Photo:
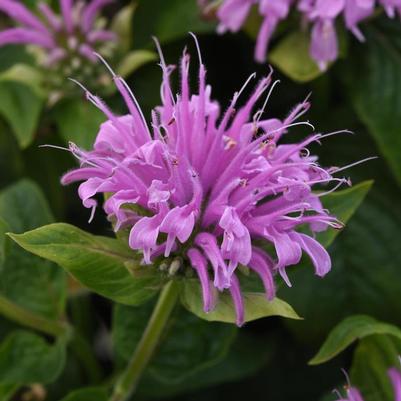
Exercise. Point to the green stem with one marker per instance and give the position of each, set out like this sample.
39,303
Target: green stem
127,383
29,319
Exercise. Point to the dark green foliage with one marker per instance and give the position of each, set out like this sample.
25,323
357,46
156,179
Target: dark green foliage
74,304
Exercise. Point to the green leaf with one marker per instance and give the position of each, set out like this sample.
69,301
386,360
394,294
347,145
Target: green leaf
3,229
253,22
348,331
372,359
255,304
24,74
21,107
173,19
28,281
37,161
189,345
11,163
78,121
365,278
104,265
122,25
343,205
27,358
11,55
7,391
246,356
291,56
133,60
24,207
376,88
32,4
87,394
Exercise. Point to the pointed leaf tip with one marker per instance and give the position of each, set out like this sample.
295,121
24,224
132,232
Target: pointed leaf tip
349,330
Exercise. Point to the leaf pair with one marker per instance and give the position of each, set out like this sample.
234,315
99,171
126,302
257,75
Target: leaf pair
378,350
109,267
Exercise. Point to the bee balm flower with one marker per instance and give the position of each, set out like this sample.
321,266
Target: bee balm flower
67,41
208,187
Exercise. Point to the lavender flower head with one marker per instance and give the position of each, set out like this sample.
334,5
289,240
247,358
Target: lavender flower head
353,394
64,42
320,14
212,189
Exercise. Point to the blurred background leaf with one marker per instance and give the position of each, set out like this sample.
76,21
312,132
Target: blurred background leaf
29,281
21,108
27,358
372,359
78,121
291,56
87,394
349,330
167,21
373,79
189,345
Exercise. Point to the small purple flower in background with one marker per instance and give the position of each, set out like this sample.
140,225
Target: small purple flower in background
64,42
321,14
71,34
216,190
392,7
353,394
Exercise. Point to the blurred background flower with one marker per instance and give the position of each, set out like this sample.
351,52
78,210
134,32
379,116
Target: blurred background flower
64,42
321,15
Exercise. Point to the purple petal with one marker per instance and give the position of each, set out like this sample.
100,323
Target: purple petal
208,243
288,252
80,174
356,12
21,14
395,377
320,257
143,235
158,192
178,223
236,245
52,19
88,52
112,206
353,394
67,11
90,13
55,56
25,36
233,13
236,295
110,138
262,264
324,46
199,263
101,36
328,9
